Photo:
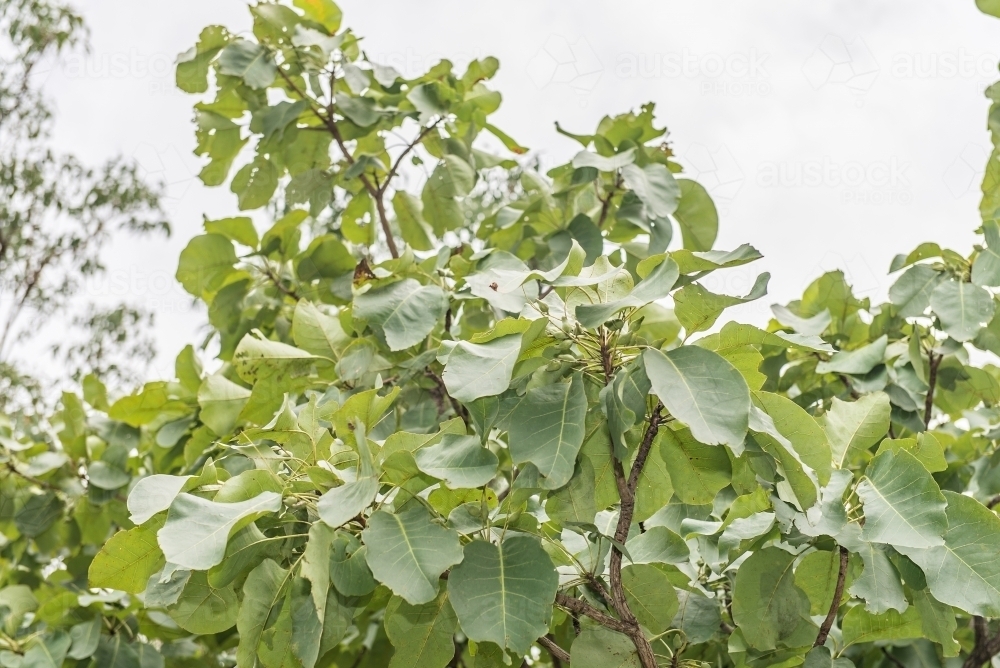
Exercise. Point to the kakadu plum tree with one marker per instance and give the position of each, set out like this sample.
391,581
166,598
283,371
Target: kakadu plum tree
455,424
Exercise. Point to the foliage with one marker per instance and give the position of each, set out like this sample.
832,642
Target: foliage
57,217
457,430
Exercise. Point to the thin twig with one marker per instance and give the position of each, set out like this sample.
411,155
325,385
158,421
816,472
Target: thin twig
558,653
838,593
935,362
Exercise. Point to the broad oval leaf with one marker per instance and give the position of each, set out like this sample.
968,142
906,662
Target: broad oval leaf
904,506
406,311
547,429
197,530
702,390
504,593
461,461
408,552
481,370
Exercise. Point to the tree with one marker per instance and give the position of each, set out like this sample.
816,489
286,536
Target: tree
452,430
56,218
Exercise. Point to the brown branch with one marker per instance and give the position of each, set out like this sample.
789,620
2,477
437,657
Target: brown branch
606,202
993,501
850,388
986,646
893,660
935,362
459,409
581,607
625,514
559,655
331,125
409,147
838,593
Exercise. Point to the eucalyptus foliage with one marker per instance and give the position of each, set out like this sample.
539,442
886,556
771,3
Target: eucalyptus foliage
451,426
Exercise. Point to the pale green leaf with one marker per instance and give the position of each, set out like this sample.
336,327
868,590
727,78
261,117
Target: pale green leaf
504,593
408,552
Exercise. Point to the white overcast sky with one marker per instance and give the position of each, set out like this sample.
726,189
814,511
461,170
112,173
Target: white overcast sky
831,134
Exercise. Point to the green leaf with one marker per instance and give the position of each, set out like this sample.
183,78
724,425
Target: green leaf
963,308
925,447
202,609
656,285
816,575
697,616
697,471
986,267
85,637
255,183
903,505
49,651
858,362
697,309
657,545
317,332
239,229
610,163
128,559
481,370
410,218
860,626
324,12
623,402
192,65
262,591
768,607
205,262
348,566
853,427
115,652
696,215
406,311
702,390
221,401
911,293
421,634
461,461
153,494
802,431
964,572
598,647
650,596
937,621
197,530
575,501
879,583
547,429
339,505
249,61
504,593
408,552
655,186
316,565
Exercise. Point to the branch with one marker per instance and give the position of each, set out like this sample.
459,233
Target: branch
331,125
625,513
986,646
558,653
935,362
409,147
581,607
606,202
838,593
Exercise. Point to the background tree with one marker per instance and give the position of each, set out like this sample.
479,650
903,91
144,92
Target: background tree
56,217
466,432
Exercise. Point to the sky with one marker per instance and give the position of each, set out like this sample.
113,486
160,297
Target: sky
832,135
